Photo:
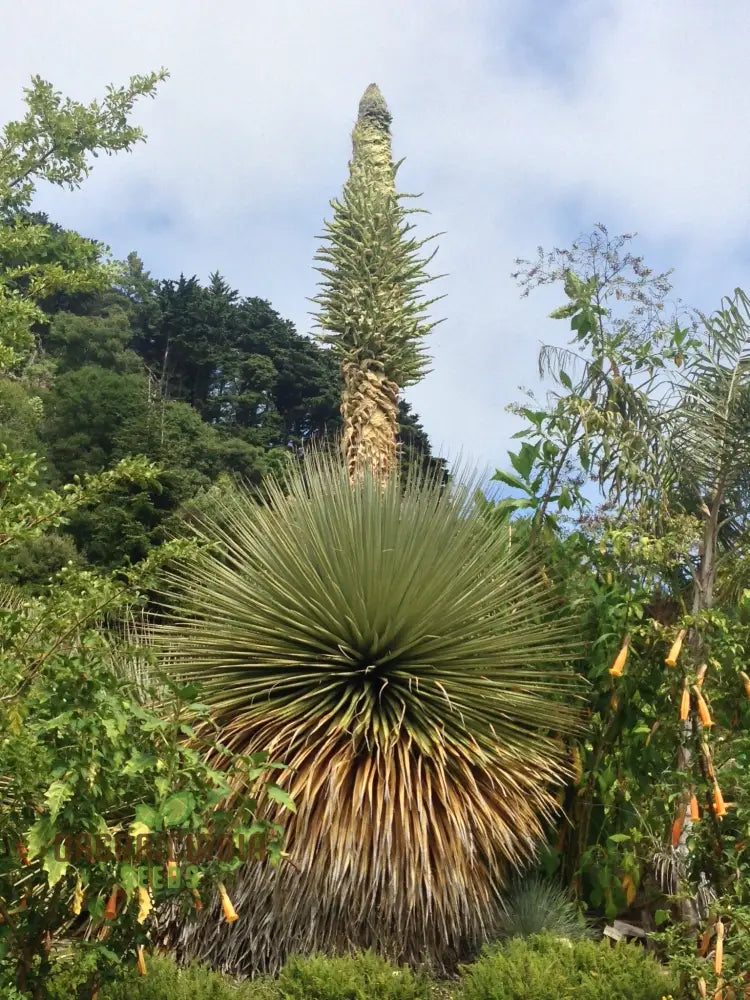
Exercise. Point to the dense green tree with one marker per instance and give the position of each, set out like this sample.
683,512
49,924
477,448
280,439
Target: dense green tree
54,142
236,361
103,339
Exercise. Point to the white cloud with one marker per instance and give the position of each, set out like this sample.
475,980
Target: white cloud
523,123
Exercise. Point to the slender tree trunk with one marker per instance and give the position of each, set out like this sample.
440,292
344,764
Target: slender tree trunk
369,408
703,598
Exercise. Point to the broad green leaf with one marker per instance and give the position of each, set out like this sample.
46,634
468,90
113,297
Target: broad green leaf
283,798
523,461
139,762
510,480
177,808
57,794
39,836
55,869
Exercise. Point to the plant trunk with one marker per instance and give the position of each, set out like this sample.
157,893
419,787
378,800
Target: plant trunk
703,597
369,408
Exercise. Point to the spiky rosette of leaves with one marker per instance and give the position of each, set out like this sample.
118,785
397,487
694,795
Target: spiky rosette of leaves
389,647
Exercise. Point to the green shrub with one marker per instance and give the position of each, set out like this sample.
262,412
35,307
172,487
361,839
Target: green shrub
548,968
167,981
535,905
359,977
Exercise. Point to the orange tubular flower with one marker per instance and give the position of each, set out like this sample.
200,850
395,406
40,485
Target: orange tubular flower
706,720
706,939
701,675
720,807
674,652
685,703
677,829
77,904
197,900
746,682
110,911
719,953
695,813
144,905
141,962
230,914
621,659
628,886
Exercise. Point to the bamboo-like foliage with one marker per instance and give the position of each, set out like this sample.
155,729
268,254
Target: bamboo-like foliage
371,305
712,425
388,647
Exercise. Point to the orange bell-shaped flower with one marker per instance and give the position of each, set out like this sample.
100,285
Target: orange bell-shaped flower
685,704
719,953
230,914
720,807
621,659
110,911
703,711
674,652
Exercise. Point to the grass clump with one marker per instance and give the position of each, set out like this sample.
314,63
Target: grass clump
537,906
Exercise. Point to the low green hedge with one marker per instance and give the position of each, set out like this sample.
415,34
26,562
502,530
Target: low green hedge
548,968
536,968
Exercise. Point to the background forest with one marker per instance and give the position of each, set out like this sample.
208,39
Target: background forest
197,379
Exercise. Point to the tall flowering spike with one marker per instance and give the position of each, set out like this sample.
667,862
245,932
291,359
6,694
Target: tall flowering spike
371,138
371,306
674,652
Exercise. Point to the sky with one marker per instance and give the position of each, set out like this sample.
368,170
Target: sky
523,123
